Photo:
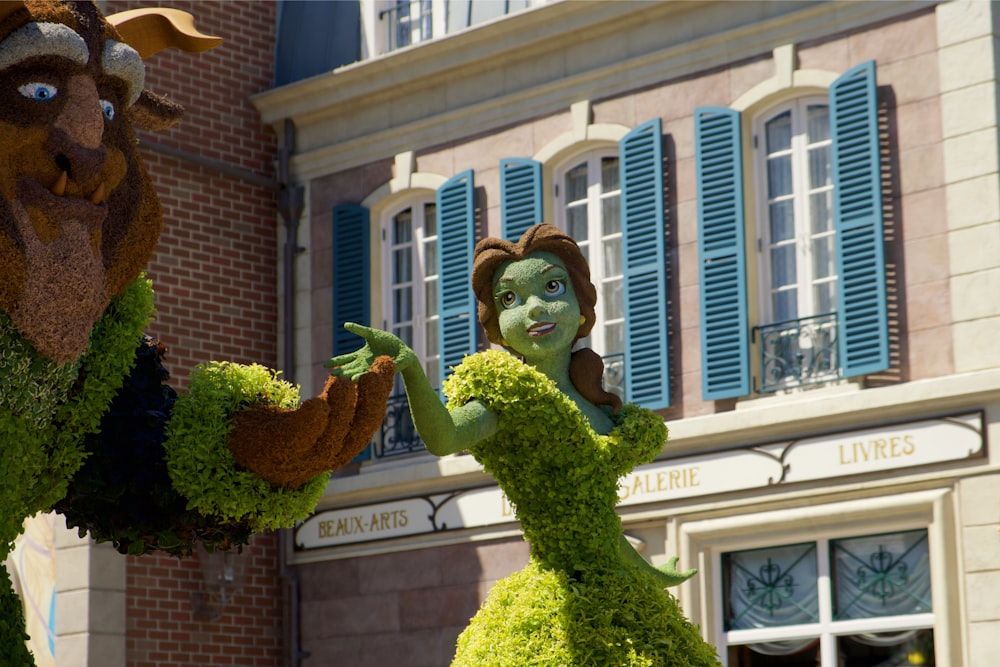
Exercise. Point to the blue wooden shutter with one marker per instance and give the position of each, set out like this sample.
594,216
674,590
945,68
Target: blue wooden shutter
351,257
520,196
857,205
646,344
456,239
725,368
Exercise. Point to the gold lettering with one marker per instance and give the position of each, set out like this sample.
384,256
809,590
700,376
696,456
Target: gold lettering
910,446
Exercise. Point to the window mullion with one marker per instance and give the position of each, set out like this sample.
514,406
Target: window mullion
828,642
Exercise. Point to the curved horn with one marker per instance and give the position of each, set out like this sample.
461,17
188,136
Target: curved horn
153,29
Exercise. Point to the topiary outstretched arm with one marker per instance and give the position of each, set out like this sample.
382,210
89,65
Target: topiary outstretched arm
288,447
443,431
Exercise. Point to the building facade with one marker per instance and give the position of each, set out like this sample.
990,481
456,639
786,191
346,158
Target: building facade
792,215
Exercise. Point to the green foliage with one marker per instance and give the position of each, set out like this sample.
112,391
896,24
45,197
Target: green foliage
123,493
41,444
200,463
540,617
13,650
579,602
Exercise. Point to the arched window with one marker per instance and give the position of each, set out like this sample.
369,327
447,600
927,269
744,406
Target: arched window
588,208
794,191
606,191
811,236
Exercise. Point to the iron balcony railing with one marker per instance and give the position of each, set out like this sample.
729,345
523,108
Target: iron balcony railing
796,353
398,436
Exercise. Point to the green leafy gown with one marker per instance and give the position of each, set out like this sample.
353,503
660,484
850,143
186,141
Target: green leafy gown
578,601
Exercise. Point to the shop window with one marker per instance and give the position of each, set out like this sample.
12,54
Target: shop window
860,601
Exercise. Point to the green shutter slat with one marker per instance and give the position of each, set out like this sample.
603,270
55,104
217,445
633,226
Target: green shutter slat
520,196
644,266
857,205
351,257
725,364
456,239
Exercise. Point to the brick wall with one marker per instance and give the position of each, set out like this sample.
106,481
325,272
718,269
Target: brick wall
214,273
215,268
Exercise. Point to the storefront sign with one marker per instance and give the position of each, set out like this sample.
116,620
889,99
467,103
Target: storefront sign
824,457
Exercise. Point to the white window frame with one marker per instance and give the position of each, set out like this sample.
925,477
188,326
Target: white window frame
801,191
594,245
704,541
826,629
421,274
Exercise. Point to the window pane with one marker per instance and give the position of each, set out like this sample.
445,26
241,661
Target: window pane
402,306
614,340
881,575
576,183
823,257
770,587
912,647
576,223
611,222
820,212
826,297
430,259
782,266
614,302
430,220
402,266
784,305
817,123
782,222
779,176
430,300
779,133
613,256
819,166
609,174
799,653
431,333
402,227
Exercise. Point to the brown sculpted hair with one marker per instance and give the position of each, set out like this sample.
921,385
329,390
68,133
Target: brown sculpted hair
586,369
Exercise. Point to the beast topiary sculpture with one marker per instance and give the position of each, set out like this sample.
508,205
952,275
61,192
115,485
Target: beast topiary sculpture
87,423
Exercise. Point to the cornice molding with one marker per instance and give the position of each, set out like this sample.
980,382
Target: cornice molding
535,63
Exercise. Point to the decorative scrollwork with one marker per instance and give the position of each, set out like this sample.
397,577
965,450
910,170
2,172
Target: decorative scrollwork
796,353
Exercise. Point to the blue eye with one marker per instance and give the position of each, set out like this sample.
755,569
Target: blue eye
509,299
108,109
555,288
38,91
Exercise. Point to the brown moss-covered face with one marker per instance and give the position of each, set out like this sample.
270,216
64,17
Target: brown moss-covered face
78,217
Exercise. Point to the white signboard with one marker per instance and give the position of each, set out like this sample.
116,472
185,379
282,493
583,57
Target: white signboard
823,457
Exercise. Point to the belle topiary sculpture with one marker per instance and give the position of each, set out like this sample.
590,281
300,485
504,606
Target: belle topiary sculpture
557,444
87,423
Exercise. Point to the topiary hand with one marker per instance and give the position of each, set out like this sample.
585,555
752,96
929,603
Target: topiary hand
377,343
289,447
